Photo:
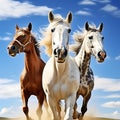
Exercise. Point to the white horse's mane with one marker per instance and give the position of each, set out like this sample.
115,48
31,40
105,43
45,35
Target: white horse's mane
78,37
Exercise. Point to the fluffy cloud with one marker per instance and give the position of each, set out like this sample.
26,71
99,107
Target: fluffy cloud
9,89
5,38
109,8
112,10
112,104
12,111
113,96
87,2
5,110
93,2
117,58
16,9
83,12
116,113
107,84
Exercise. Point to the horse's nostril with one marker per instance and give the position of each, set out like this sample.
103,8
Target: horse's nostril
102,54
13,47
55,52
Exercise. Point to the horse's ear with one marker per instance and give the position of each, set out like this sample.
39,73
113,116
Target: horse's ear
29,26
17,27
87,26
50,16
100,28
69,17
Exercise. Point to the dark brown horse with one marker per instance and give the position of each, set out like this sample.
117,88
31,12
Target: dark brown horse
31,77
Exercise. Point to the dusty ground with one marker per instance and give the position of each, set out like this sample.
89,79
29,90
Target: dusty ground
45,116
87,118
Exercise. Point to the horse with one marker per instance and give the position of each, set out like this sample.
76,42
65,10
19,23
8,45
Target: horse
61,73
88,42
31,77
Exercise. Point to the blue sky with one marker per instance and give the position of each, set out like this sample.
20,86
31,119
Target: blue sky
105,101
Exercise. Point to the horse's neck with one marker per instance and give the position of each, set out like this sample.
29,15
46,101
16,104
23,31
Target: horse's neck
31,60
83,61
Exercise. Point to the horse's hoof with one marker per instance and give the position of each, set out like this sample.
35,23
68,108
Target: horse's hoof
30,118
76,115
80,116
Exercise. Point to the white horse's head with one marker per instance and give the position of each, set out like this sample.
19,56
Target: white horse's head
60,29
93,41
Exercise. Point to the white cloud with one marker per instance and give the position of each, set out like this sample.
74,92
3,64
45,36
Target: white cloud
5,38
9,89
5,110
16,9
87,2
117,13
103,1
116,113
12,111
107,84
109,8
113,96
83,12
117,58
112,10
112,104
93,2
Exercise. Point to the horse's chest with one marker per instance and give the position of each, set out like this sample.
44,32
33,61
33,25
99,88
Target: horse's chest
31,82
60,91
63,88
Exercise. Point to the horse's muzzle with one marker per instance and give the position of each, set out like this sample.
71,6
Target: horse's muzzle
12,50
102,55
60,54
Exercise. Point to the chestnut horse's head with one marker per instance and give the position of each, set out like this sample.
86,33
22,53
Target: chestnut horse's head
21,40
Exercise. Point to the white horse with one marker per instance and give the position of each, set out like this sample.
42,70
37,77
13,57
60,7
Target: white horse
61,76
88,42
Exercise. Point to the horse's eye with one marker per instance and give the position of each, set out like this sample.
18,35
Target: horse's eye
23,36
102,38
52,30
69,30
90,37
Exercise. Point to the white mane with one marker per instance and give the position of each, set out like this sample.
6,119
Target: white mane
78,36
46,38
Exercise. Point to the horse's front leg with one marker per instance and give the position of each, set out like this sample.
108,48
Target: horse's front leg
25,98
54,106
75,112
69,104
40,103
84,105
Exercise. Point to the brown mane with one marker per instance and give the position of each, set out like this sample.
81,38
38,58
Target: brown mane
36,45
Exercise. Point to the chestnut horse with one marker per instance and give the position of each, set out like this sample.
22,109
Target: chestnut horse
31,77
